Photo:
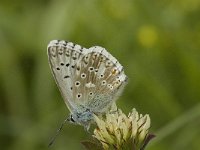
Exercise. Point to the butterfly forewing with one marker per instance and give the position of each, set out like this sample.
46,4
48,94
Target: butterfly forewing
62,58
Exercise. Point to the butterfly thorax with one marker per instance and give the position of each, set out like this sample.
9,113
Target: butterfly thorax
83,118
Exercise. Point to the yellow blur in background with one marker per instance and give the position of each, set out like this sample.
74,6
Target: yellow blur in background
147,36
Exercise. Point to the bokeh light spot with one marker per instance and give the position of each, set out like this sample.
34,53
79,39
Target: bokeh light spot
147,36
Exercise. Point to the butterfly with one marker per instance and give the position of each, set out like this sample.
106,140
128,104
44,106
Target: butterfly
90,80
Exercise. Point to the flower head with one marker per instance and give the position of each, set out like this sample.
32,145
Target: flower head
118,131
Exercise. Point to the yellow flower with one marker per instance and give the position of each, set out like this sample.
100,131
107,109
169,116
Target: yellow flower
118,131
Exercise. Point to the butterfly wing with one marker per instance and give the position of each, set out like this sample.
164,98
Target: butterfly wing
63,56
87,78
100,79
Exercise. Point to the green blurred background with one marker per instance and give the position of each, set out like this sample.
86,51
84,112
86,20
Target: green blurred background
157,42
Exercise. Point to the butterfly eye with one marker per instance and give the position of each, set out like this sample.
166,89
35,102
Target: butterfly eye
71,118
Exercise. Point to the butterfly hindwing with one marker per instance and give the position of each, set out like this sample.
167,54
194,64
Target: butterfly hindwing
101,77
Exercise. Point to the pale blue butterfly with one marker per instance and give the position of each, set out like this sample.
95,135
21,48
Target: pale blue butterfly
90,80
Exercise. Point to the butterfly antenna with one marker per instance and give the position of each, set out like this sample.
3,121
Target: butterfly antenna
57,132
